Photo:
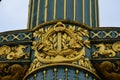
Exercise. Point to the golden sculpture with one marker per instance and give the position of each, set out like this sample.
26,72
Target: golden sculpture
14,52
60,44
106,50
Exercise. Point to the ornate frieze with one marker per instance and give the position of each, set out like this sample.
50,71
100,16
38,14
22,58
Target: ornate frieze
14,52
15,36
107,34
106,50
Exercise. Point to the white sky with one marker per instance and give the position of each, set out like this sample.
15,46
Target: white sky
14,14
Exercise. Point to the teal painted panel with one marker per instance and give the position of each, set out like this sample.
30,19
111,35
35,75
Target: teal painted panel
81,75
79,10
59,9
70,9
61,73
40,76
42,11
71,74
35,13
51,74
50,10
87,12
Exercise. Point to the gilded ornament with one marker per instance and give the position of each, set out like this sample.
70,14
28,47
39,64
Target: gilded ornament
14,52
107,50
60,44
116,46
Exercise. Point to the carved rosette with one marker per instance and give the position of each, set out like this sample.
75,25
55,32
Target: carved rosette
107,50
60,44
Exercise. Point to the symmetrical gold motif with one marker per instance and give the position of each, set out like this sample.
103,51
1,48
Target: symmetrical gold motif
60,44
14,52
107,50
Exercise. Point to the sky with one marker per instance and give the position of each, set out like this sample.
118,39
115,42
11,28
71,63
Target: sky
14,14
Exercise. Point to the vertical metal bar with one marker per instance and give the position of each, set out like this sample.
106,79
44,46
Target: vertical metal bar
46,10
65,9
35,76
83,15
95,14
66,73
55,70
32,13
29,9
86,75
38,12
44,72
54,15
74,18
90,13
98,13
77,72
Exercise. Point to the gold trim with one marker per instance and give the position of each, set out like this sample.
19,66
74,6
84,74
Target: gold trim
91,13
54,16
29,8
83,16
46,10
38,11
74,18
32,14
65,9
62,64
